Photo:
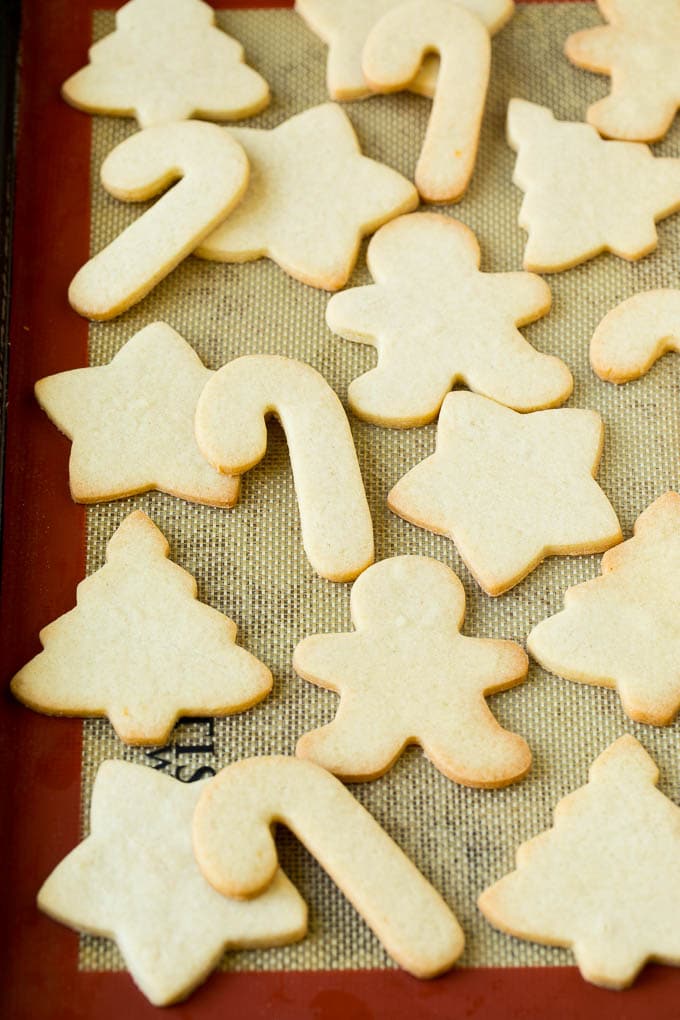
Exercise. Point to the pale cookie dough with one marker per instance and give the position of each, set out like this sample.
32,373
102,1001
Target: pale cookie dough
345,27
132,422
214,175
620,630
394,51
640,50
407,675
312,197
337,530
166,61
140,648
235,851
510,489
635,334
436,320
585,195
605,880
134,879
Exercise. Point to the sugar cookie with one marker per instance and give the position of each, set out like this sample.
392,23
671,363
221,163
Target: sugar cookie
437,320
312,197
391,57
408,676
640,50
510,489
604,881
337,531
135,880
132,422
571,210
235,851
140,648
214,172
166,61
635,334
345,27
620,630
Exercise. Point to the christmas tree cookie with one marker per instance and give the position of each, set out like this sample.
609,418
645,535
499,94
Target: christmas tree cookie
166,61
510,489
640,49
312,197
135,879
132,422
585,195
346,26
635,334
620,630
605,880
140,648
437,320
407,675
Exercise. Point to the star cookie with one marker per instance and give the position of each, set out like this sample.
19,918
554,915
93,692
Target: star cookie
132,422
605,880
134,879
585,195
140,648
407,675
345,27
635,334
510,489
312,197
640,49
620,630
166,61
437,321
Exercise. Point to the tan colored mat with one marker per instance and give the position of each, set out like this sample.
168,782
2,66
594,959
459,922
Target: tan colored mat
249,561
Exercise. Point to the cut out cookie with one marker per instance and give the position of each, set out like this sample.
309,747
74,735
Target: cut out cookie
437,320
140,648
635,334
345,27
214,174
408,676
236,852
640,50
604,881
620,630
135,880
510,489
132,422
337,531
392,55
166,61
585,195
312,197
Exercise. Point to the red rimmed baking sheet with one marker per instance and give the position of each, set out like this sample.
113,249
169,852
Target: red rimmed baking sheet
43,560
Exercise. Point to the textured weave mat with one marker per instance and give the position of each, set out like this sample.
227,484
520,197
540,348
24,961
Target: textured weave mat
249,561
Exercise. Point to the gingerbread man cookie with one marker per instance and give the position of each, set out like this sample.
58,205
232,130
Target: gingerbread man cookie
437,320
640,49
407,675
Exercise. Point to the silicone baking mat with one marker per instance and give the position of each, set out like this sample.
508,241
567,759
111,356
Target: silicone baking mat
249,562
